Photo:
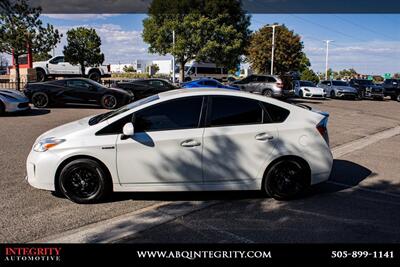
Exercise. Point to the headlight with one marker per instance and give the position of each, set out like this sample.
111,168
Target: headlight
47,143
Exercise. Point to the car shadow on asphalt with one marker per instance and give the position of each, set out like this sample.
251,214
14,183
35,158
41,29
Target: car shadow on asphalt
28,113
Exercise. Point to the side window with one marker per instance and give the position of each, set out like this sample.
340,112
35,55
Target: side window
116,127
271,80
261,79
77,84
276,114
57,60
227,111
156,83
183,113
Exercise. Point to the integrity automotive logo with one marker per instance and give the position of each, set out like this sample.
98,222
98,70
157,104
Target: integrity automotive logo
31,254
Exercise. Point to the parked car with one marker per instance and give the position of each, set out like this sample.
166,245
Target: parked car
367,89
12,101
142,88
207,83
392,88
243,142
58,67
77,91
338,89
267,85
308,89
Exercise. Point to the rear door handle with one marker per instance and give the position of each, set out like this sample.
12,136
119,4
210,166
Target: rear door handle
190,143
264,136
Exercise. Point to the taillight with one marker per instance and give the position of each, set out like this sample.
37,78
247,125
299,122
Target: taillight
280,85
322,128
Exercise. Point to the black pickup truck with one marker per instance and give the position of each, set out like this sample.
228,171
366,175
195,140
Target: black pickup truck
367,89
392,88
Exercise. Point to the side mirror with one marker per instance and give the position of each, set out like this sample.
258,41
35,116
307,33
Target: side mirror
129,129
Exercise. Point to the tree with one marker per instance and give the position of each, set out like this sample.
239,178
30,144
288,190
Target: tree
83,48
205,30
128,69
289,55
20,26
309,75
152,69
41,56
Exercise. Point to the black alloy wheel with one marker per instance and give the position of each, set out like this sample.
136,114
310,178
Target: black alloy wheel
40,75
40,100
286,179
109,102
268,93
84,181
333,95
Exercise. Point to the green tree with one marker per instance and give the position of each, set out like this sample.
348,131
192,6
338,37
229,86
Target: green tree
152,69
20,26
289,55
309,75
128,69
83,48
205,30
41,56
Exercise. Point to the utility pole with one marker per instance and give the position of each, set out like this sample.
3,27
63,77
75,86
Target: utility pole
173,57
273,46
326,58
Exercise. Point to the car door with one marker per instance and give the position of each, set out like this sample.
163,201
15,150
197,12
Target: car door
81,91
236,140
56,65
167,144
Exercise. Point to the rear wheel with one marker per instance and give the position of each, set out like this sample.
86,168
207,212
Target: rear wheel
109,102
267,93
333,95
95,76
84,181
286,179
40,100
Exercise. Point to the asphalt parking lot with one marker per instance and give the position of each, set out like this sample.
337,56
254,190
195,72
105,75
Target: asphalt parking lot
359,204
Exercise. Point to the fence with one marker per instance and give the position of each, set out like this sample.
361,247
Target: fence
6,84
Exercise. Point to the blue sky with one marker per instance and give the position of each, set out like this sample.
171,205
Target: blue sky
367,42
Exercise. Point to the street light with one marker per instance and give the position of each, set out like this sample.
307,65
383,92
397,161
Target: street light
326,58
273,46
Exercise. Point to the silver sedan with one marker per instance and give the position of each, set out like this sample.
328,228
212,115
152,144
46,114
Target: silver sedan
12,101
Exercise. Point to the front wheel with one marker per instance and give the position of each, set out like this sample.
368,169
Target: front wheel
40,75
333,95
398,98
84,181
286,179
40,100
95,76
301,94
109,102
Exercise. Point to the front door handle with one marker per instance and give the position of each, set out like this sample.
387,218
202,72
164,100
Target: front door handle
264,136
190,143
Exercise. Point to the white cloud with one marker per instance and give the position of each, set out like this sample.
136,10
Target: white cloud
79,17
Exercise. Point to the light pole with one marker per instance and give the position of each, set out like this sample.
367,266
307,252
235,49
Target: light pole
173,57
273,46
326,58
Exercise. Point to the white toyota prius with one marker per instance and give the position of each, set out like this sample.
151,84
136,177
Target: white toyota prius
185,140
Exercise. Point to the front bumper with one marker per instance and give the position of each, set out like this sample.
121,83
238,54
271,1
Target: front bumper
345,94
41,169
17,106
311,95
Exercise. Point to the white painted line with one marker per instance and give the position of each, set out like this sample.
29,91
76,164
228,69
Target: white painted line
358,144
361,188
126,225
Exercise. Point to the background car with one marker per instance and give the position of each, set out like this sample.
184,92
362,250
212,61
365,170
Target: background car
392,88
367,89
267,85
244,142
308,89
207,83
338,89
12,101
142,88
76,91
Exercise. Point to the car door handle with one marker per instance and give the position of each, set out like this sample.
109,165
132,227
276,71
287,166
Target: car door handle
190,143
264,136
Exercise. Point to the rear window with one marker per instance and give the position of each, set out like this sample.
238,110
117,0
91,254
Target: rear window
339,83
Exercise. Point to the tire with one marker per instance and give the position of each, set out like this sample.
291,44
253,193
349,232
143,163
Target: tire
286,179
95,76
333,95
40,100
301,94
398,98
267,93
40,75
2,109
109,102
84,181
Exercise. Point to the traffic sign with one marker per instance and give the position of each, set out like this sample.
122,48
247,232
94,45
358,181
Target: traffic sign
387,75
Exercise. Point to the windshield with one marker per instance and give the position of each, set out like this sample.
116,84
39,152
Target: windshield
105,116
339,83
306,83
365,82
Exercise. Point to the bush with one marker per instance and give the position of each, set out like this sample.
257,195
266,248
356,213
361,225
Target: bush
130,75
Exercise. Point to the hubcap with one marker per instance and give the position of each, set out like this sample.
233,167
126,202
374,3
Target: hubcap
110,102
82,182
40,100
